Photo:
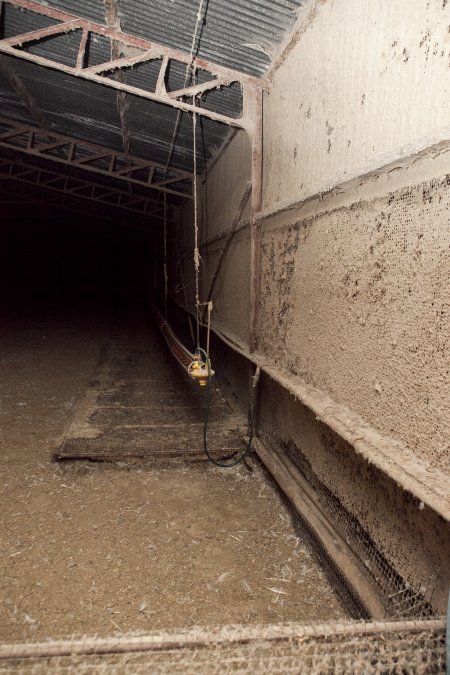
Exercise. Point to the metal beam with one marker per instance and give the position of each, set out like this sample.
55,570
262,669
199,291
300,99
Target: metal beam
256,138
117,199
20,193
149,51
92,158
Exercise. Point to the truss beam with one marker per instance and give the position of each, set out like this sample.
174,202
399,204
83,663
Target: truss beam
146,51
93,158
114,198
14,193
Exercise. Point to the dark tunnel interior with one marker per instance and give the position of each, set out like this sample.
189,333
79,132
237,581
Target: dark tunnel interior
50,256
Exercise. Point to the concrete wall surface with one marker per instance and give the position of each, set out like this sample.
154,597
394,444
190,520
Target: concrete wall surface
361,297
368,82
355,278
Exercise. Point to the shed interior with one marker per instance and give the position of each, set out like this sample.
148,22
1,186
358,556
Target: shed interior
268,182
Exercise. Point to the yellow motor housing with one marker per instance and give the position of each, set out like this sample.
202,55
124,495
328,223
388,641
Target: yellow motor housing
198,370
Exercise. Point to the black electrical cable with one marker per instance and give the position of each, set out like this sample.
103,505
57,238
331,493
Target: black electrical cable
235,461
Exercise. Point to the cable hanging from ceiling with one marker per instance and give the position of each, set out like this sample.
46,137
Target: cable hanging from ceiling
198,365
195,365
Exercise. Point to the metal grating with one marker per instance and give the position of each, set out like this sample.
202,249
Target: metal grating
141,405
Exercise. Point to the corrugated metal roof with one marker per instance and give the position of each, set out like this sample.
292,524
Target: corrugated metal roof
12,106
229,26
238,34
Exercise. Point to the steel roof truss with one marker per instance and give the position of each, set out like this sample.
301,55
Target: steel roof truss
93,158
188,98
116,199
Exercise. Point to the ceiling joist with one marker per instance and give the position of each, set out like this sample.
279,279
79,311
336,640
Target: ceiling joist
188,99
93,158
13,193
69,185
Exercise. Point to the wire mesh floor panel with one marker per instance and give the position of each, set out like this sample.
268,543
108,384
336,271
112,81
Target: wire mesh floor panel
141,404
146,415
138,394
405,647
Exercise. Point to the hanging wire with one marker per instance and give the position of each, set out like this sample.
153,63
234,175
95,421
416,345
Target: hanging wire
196,249
189,73
166,278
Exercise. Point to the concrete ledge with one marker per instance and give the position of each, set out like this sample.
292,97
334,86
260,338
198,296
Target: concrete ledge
427,485
412,170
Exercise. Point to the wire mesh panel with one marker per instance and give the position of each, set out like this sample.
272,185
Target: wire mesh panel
351,647
401,599
142,405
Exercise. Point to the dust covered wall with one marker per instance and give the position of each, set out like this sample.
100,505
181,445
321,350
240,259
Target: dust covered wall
361,293
222,193
356,261
356,258
354,311
360,280
368,82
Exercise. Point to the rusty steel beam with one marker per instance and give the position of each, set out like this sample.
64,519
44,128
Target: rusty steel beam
149,52
256,138
117,199
92,158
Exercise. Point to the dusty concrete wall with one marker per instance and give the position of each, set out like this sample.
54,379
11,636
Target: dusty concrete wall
221,195
225,184
367,83
355,282
361,291
361,295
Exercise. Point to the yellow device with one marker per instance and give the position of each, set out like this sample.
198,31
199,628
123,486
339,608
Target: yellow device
198,370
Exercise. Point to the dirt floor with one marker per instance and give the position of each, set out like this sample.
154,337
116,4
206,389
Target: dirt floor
101,548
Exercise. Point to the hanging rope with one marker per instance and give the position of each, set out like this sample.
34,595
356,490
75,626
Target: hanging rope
196,249
166,278
198,365
189,71
194,131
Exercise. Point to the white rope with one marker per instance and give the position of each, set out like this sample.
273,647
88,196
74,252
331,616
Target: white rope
166,278
196,249
194,128
189,70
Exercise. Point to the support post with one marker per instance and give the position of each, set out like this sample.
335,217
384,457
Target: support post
256,138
